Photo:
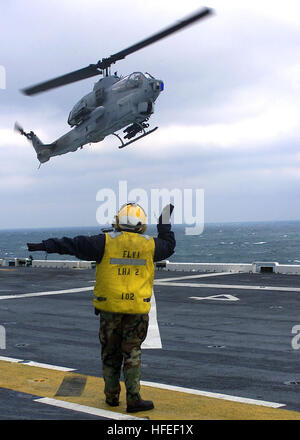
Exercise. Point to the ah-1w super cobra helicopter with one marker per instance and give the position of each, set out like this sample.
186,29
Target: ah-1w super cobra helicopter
114,103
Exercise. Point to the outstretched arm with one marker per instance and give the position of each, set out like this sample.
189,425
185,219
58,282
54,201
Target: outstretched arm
82,247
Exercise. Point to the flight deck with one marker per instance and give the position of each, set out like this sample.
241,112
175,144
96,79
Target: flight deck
222,346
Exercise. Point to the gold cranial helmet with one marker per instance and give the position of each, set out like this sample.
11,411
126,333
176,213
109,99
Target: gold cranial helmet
131,217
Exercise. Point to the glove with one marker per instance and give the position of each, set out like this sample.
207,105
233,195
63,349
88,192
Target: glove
165,215
32,247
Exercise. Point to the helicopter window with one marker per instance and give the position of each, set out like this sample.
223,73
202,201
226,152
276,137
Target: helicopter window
135,80
129,82
148,75
120,85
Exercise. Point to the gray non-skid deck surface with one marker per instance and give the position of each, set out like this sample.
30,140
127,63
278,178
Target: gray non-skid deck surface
236,342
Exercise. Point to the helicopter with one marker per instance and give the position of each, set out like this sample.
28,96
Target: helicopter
115,103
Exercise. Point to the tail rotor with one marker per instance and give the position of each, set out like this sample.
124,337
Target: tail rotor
20,130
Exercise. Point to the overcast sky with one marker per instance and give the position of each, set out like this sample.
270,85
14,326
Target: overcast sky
228,117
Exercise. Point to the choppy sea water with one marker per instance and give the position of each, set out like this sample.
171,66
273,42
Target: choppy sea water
219,242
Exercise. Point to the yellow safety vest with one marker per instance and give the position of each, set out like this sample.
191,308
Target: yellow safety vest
124,277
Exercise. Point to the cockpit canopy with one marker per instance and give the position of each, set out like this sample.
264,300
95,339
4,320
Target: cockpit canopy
132,81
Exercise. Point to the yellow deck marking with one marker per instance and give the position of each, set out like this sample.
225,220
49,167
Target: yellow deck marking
169,405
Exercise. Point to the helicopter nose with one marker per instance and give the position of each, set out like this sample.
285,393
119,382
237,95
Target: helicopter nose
158,85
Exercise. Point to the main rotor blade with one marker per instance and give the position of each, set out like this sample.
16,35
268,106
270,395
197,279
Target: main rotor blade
106,62
77,75
93,69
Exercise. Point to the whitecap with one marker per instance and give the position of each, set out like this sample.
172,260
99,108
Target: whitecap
260,242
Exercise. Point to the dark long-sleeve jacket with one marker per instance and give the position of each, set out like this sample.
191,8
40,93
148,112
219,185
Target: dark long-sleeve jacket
91,248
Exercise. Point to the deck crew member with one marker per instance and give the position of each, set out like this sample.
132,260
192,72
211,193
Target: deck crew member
122,292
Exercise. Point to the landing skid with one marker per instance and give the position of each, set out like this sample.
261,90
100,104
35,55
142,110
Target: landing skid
145,133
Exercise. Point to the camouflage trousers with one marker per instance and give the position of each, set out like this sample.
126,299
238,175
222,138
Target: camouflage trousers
121,336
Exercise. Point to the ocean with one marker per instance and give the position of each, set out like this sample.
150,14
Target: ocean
219,242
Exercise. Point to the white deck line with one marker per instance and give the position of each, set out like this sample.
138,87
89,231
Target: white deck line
186,277
52,292
47,366
227,286
9,359
87,409
153,339
213,395
36,364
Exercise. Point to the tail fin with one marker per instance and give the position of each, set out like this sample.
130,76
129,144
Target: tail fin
43,151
